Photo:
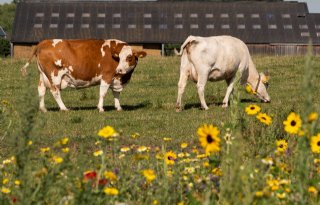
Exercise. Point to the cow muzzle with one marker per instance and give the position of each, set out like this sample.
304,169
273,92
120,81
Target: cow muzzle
120,71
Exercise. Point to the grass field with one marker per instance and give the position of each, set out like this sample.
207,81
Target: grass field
149,110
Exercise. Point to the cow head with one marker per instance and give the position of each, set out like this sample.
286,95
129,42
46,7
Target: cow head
261,87
127,57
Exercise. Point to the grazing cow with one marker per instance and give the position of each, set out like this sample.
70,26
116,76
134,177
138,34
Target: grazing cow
84,63
218,58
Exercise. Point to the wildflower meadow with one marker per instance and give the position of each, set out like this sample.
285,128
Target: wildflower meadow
249,153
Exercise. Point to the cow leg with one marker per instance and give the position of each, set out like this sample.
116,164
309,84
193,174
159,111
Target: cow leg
116,96
104,86
202,80
185,68
181,87
42,91
57,96
230,83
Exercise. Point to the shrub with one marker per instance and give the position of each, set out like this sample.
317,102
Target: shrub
4,47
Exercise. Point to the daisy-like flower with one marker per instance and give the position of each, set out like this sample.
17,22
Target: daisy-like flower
135,135
267,161
312,117
57,159
149,174
293,123
312,190
170,158
107,132
217,172
64,141
45,149
5,190
167,139
125,149
252,109
315,143
17,182
264,118
142,149
110,175
98,153
111,191
184,145
65,150
209,139
282,146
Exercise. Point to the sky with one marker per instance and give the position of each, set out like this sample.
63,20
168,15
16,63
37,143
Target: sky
313,5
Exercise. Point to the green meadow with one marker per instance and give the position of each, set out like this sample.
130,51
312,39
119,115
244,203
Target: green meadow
247,169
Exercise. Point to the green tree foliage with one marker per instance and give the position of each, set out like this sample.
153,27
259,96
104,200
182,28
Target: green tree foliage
4,47
7,12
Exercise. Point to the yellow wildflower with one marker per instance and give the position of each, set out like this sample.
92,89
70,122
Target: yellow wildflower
315,143
57,159
209,139
312,190
293,123
17,182
312,117
184,145
65,150
149,174
259,194
64,141
45,149
5,180
30,142
107,132
282,146
98,153
111,191
125,149
252,109
110,175
170,158
5,190
167,139
264,118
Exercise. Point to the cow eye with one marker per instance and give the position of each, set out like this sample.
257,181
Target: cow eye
267,85
129,58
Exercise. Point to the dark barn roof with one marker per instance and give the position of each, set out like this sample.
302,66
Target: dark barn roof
166,21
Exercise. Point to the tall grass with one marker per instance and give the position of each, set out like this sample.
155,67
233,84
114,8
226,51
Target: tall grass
58,157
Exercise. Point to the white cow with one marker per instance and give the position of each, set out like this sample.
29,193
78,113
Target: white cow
218,58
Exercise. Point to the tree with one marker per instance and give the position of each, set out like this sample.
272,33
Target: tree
7,12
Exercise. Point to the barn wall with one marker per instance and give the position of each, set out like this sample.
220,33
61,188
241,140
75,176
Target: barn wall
280,50
22,51
25,50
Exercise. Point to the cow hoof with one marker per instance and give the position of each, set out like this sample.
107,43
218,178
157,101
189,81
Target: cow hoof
101,110
178,109
119,109
43,110
204,108
224,105
64,110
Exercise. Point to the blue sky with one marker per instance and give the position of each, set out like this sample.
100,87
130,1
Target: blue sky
313,5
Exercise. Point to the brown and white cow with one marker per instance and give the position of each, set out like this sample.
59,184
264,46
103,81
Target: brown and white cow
84,63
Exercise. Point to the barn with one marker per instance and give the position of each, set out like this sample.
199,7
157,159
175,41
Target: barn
271,28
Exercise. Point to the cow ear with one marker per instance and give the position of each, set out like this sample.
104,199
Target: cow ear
140,54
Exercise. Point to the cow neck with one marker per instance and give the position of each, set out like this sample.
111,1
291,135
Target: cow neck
251,79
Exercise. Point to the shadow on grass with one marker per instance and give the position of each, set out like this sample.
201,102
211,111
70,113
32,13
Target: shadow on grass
106,108
218,104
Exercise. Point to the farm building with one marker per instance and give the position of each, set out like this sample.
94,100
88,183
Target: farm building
273,28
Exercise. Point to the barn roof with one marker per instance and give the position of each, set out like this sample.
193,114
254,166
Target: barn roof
166,21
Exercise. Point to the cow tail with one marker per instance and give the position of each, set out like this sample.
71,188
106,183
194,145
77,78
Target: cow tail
188,41
24,68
